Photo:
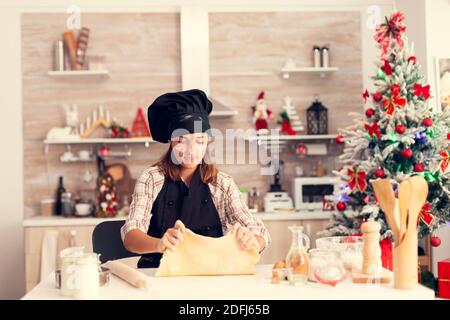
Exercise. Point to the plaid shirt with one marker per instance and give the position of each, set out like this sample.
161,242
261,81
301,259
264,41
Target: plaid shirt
224,192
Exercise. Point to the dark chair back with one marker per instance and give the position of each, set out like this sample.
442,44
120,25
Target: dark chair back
107,242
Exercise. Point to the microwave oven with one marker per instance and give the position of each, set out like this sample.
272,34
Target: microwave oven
308,192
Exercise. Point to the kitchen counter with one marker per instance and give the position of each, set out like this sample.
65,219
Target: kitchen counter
258,287
55,221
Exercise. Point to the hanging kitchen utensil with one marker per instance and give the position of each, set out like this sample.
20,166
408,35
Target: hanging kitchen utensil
124,182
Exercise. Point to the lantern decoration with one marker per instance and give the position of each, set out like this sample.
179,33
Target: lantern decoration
317,118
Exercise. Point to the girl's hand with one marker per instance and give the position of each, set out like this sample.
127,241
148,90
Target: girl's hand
246,238
172,237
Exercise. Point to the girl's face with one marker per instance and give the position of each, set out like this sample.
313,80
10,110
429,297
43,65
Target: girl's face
189,150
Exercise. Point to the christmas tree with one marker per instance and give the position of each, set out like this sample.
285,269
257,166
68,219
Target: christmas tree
398,136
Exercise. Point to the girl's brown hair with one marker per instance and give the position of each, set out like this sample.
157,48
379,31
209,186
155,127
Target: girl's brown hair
208,172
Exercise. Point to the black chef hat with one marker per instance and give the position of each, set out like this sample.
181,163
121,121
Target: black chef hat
186,110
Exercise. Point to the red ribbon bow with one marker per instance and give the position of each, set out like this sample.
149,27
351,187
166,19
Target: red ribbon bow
425,215
421,91
445,161
391,29
373,129
357,178
365,95
394,101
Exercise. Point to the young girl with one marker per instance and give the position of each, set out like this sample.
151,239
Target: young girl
182,190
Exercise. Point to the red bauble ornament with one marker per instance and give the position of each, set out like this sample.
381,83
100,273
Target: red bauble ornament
413,59
419,167
407,153
448,136
435,241
370,112
386,68
379,173
340,139
427,122
301,150
377,96
341,206
400,129
103,151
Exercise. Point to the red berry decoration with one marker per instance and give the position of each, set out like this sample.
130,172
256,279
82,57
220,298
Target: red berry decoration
419,167
340,139
370,112
400,129
407,153
379,173
435,241
341,206
413,59
103,151
427,122
377,96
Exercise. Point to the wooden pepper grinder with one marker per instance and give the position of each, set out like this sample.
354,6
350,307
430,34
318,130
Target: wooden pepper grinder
372,270
371,247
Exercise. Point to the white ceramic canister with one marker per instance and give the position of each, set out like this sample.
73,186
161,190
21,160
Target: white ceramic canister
68,258
88,284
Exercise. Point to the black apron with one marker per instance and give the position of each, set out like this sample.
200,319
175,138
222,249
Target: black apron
193,206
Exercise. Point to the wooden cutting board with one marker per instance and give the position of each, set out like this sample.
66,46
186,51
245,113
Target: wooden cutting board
385,277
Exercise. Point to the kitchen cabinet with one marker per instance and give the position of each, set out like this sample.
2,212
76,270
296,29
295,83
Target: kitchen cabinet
33,247
277,224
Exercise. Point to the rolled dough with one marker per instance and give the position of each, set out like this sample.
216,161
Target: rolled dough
198,255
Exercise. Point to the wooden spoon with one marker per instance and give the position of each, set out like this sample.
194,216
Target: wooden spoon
386,198
404,200
419,193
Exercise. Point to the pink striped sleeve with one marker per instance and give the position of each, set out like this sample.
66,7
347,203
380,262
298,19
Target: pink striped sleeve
141,205
237,211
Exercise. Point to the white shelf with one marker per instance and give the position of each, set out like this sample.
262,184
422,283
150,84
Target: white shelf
293,138
53,221
242,73
100,141
285,72
223,113
79,73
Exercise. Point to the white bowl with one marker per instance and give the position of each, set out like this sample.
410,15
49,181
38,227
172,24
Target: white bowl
83,209
349,247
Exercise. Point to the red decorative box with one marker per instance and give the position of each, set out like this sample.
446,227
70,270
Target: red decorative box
386,254
444,278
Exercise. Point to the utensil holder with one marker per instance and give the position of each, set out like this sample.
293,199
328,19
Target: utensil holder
405,262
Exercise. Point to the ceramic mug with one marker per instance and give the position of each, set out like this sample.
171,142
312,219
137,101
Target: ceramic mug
84,155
